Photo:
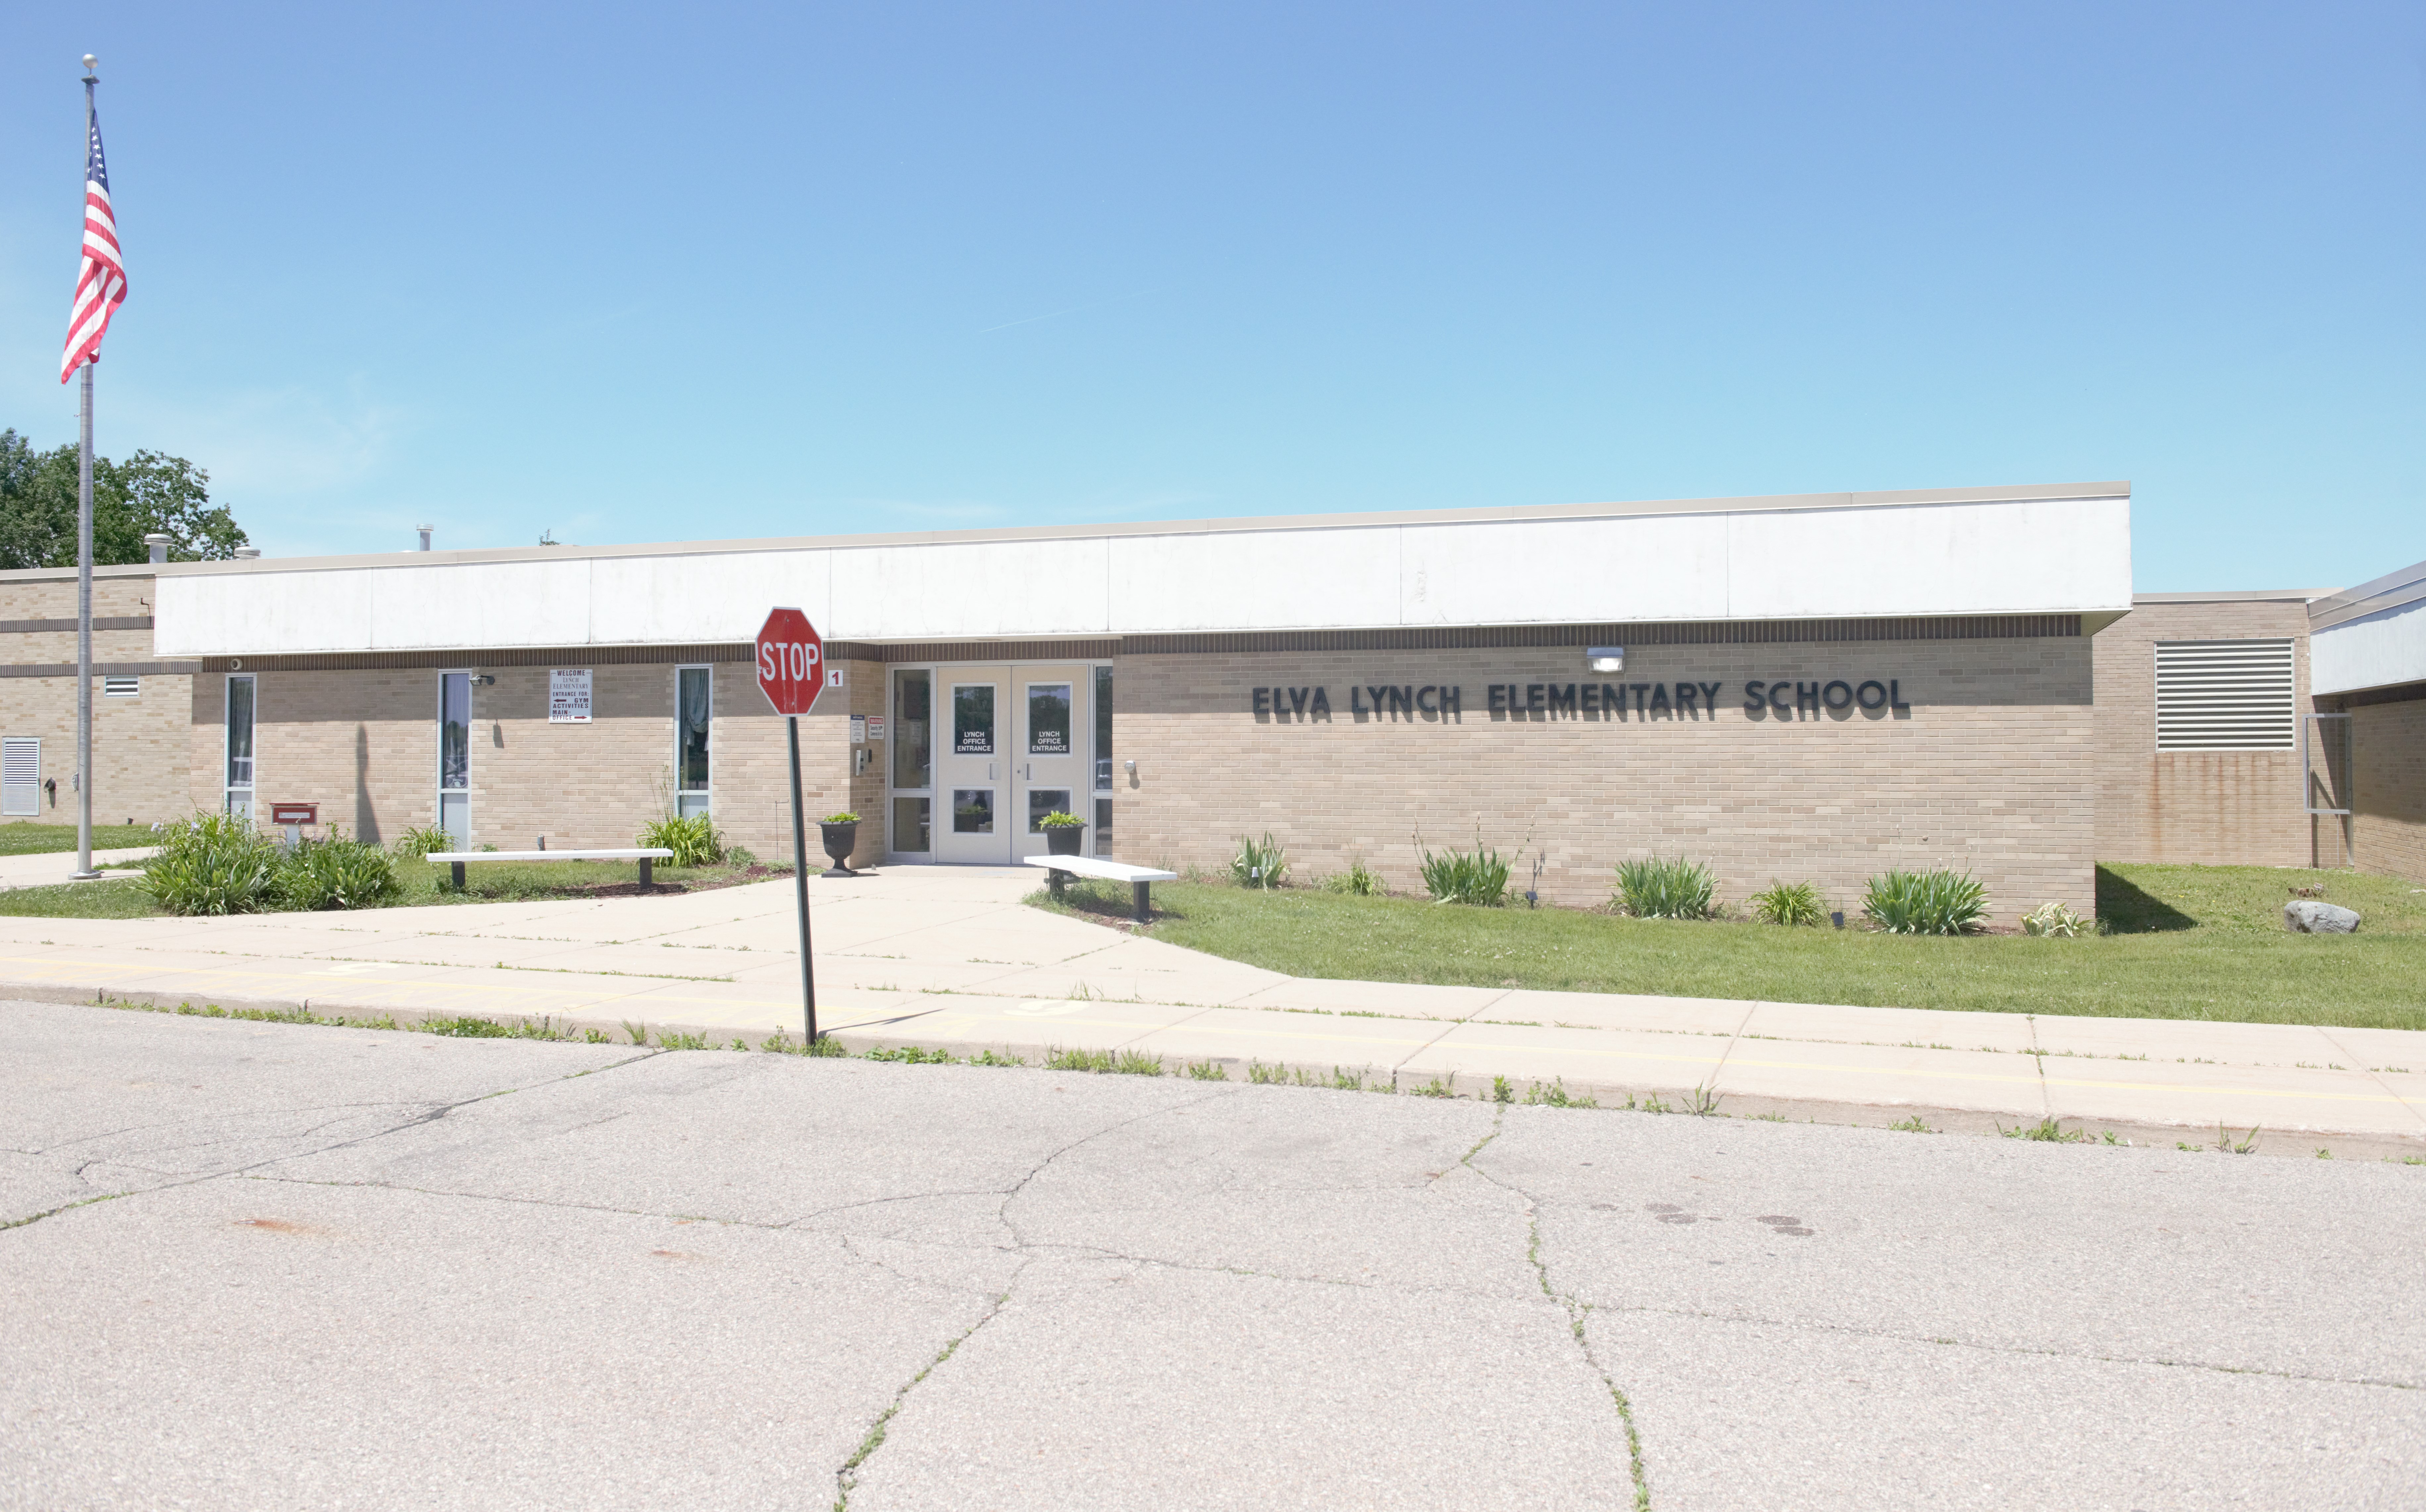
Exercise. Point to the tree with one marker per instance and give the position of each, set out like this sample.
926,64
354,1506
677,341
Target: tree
146,492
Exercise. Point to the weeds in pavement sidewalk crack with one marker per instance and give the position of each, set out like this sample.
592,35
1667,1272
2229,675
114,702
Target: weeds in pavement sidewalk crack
1207,1072
639,1033
987,1057
846,1478
65,1207
1501,1090
1436,1088
1555,1095
2246,1144
1267,1076
1914,1125
2048,1131
667,1039
1704,1102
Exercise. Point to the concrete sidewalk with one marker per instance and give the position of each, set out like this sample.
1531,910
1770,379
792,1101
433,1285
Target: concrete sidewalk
951,958
49,869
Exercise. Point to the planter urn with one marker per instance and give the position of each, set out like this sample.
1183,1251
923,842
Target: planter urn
1064,839
839,842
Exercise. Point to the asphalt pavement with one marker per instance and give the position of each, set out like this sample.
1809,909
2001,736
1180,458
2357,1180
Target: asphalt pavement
270,1265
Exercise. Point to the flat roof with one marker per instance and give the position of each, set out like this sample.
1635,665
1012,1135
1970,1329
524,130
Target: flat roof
1375,519
2250,595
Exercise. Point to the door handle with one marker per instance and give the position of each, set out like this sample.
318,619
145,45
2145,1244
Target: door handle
991,773
1028,772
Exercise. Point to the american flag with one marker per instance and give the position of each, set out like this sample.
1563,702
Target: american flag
101,287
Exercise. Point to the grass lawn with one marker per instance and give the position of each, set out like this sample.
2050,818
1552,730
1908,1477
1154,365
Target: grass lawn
2188,942
25,838
424,885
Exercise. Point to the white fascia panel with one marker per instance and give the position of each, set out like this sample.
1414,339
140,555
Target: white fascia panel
475,604
315,611
970,590
1255,580
1564,572
2384,649
2036,556
688,600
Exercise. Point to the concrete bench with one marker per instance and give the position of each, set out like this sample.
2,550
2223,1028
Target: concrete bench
646,856
1140,879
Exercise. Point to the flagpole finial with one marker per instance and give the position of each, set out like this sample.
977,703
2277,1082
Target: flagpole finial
89,61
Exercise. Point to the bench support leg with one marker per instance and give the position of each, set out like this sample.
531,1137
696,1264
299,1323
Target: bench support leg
647,862
1054,879
1140,895
456,867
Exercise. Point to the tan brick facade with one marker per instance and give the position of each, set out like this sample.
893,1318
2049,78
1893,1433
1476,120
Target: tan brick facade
2197,807
138,742
362,744
2388,785
1986,770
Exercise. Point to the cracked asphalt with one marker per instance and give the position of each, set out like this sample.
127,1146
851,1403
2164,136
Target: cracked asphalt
265,1265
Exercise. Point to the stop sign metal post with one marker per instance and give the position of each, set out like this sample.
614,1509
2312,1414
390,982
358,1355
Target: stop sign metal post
791,673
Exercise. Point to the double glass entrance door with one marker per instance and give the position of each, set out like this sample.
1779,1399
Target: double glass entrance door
1012,745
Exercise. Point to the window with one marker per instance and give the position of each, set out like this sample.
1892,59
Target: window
973,811
973,720
455,757
240,701
2226,695
1102,730
694,700
121,687
1104,827
1048,719
912,716
21,776
910,819
1043,800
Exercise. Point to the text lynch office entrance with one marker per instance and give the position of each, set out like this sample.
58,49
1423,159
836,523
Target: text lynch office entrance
980,754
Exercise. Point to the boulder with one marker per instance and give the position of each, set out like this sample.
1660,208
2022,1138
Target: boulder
2305,916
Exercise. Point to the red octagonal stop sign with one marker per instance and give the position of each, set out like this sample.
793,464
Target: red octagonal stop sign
791,661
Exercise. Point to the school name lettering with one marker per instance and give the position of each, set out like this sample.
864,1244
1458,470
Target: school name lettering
1784,699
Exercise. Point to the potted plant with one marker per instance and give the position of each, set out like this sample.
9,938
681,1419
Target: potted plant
840,832
1062,833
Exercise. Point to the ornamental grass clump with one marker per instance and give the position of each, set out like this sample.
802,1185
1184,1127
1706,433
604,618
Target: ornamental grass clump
1259,863
1939,902
1662,887
1788,902
692,839
213,864
1478,876
335,872
419,842
2056,921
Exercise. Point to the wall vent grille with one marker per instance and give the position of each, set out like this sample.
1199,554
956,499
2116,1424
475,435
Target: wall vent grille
2226,696
21,776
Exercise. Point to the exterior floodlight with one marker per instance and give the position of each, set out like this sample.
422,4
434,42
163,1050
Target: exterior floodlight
1606,657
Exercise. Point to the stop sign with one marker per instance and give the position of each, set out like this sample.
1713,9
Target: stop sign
791,661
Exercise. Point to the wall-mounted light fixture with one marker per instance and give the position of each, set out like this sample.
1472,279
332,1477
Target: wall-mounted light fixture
1606,657
484,679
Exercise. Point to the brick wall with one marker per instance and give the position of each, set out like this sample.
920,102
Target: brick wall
138,744
1988,768
2195,807
363,745
2389,787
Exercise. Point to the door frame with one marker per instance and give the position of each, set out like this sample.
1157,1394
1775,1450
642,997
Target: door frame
938,792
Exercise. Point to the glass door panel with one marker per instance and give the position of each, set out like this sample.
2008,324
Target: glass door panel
239,745
971,767
694,708
911,775
1052,759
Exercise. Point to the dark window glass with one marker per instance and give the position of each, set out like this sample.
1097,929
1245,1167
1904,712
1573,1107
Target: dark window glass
1048,719
693,695
455,730
913,723
1103,727
973,811
973,718
910,825
239,732
1043,800
1104,827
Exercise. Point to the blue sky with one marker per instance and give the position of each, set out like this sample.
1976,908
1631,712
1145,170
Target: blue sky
649,273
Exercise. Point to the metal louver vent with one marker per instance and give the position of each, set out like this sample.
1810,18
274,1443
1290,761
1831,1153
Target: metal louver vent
21,776
2226,695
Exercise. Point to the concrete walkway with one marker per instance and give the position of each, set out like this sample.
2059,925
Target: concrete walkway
48,868
951,958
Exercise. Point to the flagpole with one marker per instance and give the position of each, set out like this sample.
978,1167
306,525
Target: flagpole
83,576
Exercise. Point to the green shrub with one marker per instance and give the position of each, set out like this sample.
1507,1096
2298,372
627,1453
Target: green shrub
335,872
1787,903
1478,877
1259,864
693,840
1358,881
1058,820
1660,887
419,842
2056,921
1939,902
846,817
212,864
